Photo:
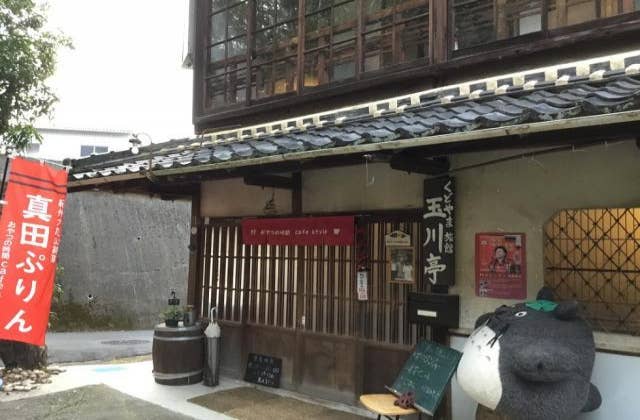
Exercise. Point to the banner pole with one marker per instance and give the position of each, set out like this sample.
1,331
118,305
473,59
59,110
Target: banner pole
4,178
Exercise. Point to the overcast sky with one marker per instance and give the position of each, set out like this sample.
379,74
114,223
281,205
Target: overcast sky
124,72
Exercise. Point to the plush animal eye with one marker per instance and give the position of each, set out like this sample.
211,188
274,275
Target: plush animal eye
521,314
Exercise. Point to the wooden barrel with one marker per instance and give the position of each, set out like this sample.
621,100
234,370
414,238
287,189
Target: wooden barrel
178,355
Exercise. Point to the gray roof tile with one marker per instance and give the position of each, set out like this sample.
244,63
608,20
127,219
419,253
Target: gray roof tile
543,103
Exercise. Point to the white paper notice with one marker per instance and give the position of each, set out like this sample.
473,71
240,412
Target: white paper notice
363,286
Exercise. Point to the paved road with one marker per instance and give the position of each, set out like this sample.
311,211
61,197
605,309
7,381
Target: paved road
89,346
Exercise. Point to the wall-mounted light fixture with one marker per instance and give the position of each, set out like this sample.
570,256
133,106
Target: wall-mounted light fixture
135,144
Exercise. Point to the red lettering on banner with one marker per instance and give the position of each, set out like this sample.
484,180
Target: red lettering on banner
30,233
299,231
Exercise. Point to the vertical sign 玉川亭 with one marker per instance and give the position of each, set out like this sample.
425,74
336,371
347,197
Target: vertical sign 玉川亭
438,231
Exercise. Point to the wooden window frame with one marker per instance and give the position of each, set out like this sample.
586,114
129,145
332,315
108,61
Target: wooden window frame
545,34
440,59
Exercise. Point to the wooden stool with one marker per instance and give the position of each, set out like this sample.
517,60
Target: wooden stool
382,405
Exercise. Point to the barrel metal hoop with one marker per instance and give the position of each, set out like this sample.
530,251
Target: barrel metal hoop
169,376
187,338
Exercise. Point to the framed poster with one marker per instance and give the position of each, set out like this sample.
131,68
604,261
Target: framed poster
401,265
501,265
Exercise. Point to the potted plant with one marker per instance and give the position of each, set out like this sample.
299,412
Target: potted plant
172,315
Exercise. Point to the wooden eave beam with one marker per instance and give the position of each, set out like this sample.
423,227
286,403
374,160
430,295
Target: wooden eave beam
407,162
270,181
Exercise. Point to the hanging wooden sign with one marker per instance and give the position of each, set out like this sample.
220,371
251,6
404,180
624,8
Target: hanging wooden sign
397,238
438,231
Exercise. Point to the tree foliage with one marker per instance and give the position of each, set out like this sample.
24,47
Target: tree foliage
27,60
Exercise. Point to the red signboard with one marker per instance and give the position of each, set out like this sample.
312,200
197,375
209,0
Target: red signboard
299,231
501,270
30,232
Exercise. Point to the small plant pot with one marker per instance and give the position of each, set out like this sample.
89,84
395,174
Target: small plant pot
173,323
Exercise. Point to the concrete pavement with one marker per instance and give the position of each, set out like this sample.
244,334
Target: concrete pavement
73,347
136,380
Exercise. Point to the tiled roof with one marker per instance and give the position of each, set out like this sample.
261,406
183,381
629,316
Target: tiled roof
597,88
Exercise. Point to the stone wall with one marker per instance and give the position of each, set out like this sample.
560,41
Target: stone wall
126,252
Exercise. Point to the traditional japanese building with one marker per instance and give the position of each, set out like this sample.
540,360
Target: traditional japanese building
344,109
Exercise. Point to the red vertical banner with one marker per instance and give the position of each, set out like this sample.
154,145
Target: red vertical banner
30,233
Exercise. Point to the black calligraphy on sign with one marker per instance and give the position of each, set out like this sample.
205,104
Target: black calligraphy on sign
263,370
438,229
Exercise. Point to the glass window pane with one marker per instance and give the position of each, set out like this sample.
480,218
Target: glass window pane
345,15
215,92
285,76
572,12
86,150
216,53
218,4
287,9
263,81
344,61
237,20
286,39
263,46
236,87
312,5
316,68
413,40
265,13
377,50
218,27
318,30
237,46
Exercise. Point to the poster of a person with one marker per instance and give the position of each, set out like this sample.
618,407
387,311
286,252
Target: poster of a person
500,265
401,265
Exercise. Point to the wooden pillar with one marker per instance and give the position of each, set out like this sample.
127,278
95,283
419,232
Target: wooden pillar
438,31
194,279
296,194
500,19
561,13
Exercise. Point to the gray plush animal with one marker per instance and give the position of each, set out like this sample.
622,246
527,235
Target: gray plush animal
531,361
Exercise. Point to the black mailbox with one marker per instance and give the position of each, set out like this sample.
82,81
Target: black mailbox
439,310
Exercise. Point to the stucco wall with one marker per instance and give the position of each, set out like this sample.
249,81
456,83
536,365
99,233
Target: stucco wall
231,197
125,250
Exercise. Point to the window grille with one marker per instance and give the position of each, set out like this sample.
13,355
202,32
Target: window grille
593,256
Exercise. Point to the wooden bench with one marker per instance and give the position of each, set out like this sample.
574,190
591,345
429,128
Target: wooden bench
383,405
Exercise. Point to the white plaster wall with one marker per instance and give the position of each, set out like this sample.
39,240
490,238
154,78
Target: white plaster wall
231,198
350,189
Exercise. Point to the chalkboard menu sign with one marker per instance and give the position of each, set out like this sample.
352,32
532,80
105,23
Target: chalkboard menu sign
427,374
263,370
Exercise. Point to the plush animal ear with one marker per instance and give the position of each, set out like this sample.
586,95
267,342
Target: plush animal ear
482,319
545,294
566,311
594,400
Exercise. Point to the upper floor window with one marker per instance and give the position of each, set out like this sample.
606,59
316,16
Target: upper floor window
479,22
227,64
88,150
274,66
33,148
270,49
